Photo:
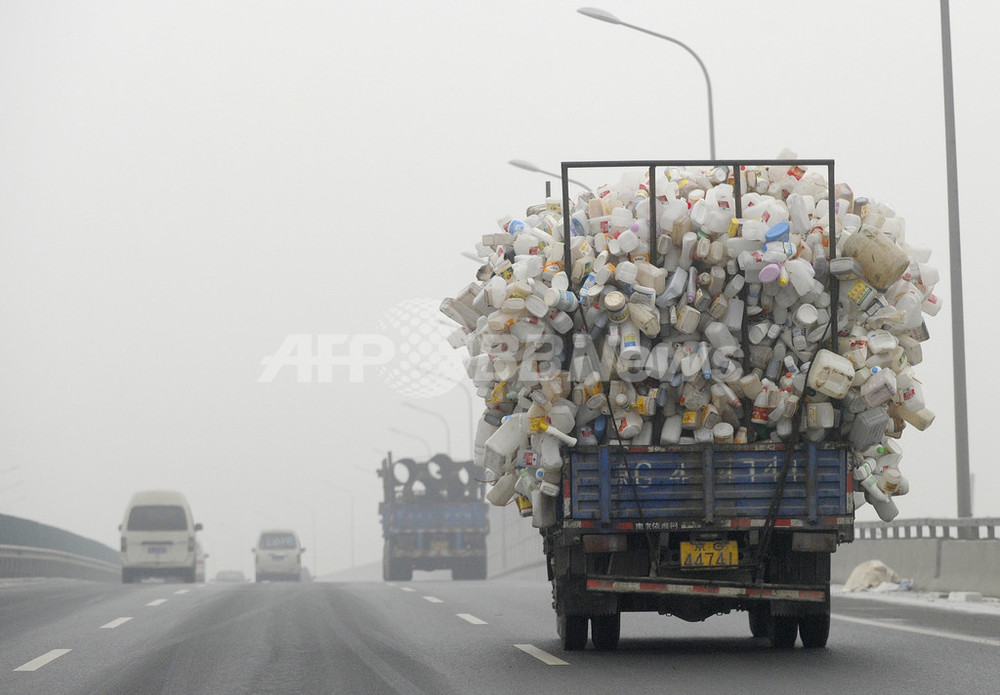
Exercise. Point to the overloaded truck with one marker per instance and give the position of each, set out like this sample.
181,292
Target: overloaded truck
690,384
706,528
433,518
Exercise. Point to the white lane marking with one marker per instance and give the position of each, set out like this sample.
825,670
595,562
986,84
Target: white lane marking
115,623
157,602
920,630
469,618
182,591
432,599
407,588
36,664
544,657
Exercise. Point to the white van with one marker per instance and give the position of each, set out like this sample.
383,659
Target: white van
278,556
158,537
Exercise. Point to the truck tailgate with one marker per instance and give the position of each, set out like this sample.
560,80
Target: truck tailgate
706,485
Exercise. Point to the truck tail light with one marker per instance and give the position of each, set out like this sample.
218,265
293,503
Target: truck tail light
190,544
605,542
124,544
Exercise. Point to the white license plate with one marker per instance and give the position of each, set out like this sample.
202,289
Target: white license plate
157,549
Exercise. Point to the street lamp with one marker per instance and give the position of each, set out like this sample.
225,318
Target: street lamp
528,166
447,428
595,13
468,399
430,451
963,479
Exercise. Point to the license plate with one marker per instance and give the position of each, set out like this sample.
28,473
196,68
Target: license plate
709,554
157,549
439,546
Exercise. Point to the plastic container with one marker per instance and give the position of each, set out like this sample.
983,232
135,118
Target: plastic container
881,260
890,480
868,428
831,374
502,492
543,509
672,428
819,415
879,388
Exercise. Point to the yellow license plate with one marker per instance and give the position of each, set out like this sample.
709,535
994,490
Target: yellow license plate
439,547
709,554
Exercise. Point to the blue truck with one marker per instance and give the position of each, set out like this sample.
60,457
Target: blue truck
434,517
695,531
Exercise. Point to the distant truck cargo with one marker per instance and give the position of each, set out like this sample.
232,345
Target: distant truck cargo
433,517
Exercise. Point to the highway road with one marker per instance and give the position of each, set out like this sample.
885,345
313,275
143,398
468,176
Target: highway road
437,637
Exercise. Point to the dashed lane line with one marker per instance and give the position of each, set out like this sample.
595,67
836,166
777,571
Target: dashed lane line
406,588
542,656
45,658
115,623
157,602
182,591
432,599
469,618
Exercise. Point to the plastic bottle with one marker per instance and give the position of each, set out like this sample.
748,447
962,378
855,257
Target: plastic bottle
543,509
671,431
502,491
630,348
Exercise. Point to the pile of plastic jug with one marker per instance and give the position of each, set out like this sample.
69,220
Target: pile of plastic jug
726,338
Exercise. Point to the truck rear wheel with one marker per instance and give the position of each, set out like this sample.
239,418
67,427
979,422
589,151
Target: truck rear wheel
814,629
782,630
605,631
572,631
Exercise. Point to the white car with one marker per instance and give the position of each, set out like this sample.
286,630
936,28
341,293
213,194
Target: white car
158,537
278,556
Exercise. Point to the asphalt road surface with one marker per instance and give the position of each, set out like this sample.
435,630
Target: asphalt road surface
437,637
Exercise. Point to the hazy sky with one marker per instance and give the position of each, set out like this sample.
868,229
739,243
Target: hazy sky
185,185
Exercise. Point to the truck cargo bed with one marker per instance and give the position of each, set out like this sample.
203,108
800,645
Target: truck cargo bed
706,485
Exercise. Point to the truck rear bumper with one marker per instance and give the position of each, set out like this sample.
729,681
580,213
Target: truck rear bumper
769,592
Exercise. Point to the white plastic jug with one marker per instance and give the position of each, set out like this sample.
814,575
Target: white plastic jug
881,260
831,374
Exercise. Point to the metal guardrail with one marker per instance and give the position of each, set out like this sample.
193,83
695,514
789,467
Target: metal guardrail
18,561
984,528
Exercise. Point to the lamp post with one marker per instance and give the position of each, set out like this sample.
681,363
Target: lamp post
430,451
528,166
447,427
963,479
468,399
595,13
